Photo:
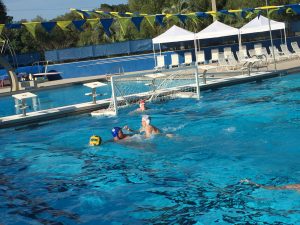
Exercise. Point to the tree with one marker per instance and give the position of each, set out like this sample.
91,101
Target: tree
114,8
178,6
3,14
148,6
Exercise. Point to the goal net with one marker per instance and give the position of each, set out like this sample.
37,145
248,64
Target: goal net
169,84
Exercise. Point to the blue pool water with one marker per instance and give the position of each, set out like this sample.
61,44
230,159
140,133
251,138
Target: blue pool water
49,174
53,98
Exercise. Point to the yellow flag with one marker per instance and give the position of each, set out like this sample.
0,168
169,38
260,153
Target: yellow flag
124,23
193,17
267,7
1,28
93,22
173,17
31,27
169,15
63,24
115,14
151,20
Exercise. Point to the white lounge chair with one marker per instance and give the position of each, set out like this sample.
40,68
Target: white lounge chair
188,60
243,53
160,60
258,49
264,51
200,57
174,60
279,55
269,57
227,52
222,63
295,47
233,63
287,52
259,59
241,56
214,55
252,52
265,58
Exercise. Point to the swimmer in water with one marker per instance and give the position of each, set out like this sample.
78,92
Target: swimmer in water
118,134
142,106
148,128
130,140
295,187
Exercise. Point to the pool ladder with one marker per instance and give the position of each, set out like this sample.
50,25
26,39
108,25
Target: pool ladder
120,71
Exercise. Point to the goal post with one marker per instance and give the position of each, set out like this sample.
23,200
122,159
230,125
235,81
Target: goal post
128,89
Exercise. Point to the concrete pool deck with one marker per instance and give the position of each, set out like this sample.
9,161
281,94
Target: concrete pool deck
222,79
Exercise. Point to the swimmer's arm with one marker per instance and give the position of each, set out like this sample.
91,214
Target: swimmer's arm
246,181
131,130
169,135
166,135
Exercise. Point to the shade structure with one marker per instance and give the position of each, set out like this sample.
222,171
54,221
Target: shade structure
261,24
174,34
177,34
216,30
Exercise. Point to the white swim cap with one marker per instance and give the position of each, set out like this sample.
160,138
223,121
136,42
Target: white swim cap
146,118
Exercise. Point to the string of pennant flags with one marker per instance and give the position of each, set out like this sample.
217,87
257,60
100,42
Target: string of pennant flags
107,19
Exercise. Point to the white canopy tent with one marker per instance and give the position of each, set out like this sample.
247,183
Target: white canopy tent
177,34
217,29
174,34
261,24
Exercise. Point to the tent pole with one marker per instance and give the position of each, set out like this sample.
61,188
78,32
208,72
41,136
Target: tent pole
196,70
285,40
154,55
272,44
240,40
159,49
214,8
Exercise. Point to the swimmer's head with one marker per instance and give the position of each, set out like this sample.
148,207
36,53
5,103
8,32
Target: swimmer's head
115,131
142,103
146,119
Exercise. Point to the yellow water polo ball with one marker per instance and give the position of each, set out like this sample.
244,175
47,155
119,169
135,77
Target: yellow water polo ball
95,140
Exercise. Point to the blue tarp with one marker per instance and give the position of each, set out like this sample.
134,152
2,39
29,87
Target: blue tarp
73,53
25,59
118,48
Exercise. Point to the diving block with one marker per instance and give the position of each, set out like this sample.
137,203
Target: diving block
22,97
93,86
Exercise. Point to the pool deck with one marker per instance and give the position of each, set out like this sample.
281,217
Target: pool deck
224,79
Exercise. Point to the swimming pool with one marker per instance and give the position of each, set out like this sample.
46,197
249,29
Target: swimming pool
50,175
